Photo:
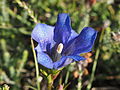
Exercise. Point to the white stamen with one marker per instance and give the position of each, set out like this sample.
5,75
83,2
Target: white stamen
60,48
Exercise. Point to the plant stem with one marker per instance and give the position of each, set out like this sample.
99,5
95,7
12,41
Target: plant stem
95,62
79,85
36,65
49,86
29,10
67,76
93,69
50,82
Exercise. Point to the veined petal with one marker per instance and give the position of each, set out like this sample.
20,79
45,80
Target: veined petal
62,29
44,60
83,42
65,60
43,34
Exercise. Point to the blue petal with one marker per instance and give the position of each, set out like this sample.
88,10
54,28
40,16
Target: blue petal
65,60
83,42
73,35
62,62
43,34
38,48
62,29
44,60
76,57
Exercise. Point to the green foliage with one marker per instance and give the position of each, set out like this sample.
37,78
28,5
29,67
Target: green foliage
18,17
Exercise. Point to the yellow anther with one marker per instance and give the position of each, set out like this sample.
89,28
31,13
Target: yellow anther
60,48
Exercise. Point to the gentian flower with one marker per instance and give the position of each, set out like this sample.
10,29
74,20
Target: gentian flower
60,45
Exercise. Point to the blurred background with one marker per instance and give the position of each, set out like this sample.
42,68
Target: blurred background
17,20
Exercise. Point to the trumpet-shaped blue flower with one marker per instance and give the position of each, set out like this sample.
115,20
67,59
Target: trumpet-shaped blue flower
60,45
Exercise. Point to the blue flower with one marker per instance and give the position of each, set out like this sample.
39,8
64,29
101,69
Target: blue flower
60,45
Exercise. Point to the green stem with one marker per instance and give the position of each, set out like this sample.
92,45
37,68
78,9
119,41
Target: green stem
36,65
49,86
95,62
93,69
67,76
79,86
50,82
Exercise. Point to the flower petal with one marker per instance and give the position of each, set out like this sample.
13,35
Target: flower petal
44,60
83,42
38,48
62,62
43,34
73,35
62,29
76,57
65,60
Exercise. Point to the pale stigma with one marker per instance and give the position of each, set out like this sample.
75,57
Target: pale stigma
60,48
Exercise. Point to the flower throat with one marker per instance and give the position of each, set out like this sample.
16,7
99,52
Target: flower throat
57,52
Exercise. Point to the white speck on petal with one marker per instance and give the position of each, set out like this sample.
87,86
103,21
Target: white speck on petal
60,48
